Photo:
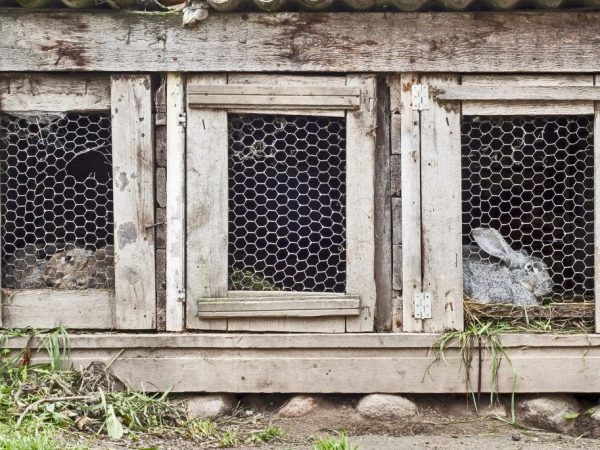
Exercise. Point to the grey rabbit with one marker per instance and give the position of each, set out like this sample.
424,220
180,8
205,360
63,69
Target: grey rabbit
515,277
71,268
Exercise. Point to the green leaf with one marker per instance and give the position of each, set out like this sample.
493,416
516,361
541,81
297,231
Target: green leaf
113,426
571,415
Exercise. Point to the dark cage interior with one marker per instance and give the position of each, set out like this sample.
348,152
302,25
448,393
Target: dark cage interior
532,179
287,186
56,201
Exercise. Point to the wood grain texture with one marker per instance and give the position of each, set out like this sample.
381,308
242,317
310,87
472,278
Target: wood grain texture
510,92
410,149
310,363
206,206
133,174
531,107
441,208
175,187
54,93
597,206
306,42
282,303
383,213
47,308
279,313
360,202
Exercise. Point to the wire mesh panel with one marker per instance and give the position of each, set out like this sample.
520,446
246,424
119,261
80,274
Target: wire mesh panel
532,179
287,186
56,201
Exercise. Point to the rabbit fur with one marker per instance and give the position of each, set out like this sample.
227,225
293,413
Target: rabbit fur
71,268
509,276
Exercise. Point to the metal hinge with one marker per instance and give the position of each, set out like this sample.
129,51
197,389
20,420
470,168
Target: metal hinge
183,119
422,304
420,97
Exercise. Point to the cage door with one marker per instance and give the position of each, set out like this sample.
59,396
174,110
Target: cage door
76,202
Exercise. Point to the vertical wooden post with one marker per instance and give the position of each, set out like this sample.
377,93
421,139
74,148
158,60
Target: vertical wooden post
175,93
383,219
597,207
133,174
207,210
441,208
410,150
360,194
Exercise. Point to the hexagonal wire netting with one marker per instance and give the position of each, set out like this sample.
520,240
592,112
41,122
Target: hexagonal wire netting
532,178
287,186
56,201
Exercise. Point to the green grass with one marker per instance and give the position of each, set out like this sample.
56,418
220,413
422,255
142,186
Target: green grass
339,442
481,339
267,435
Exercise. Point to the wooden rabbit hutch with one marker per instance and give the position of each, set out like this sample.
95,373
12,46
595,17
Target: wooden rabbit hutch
283,196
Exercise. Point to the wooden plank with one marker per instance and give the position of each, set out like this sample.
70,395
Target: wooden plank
47,308
396,243
441,208
514,41
290,111
285,101
288,324
206,207
527,107
169,342
597,207
277,303
360,202
509,92
410,145
289,89
283,313
286,79
321,363
519,108
383,214
133,169
175,93
54,93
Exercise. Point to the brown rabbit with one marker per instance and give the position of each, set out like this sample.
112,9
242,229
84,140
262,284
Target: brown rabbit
78,268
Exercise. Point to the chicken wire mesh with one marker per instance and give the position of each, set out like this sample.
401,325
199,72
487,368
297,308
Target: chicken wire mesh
56,201
532,179
287,186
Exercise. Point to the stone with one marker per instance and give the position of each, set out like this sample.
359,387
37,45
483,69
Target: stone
386,407
210,406
300,405
548,412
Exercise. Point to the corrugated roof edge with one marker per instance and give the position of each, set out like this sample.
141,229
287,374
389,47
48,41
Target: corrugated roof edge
317,5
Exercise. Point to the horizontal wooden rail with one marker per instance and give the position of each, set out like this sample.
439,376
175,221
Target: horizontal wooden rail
284,305
506,92
285,97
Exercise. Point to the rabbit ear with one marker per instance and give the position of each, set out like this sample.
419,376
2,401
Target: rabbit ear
492,242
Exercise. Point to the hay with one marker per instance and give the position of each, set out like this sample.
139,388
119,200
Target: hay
555,317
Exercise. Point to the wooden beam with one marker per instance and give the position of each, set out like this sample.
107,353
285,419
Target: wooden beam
48,308
273,303
279,313
321,363
303,42
507,92
133,169
597,207
410,150
175,93
54,93
441,208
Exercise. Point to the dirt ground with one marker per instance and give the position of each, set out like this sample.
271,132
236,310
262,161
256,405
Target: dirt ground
449,424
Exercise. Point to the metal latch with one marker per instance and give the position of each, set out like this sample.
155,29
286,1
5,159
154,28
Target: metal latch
422,305
420,97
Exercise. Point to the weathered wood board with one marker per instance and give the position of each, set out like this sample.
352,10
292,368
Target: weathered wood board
394,363
307,42
133,169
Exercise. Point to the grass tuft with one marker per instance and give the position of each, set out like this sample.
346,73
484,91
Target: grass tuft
339,442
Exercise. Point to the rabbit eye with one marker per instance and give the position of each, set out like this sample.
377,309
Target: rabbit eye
68,258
